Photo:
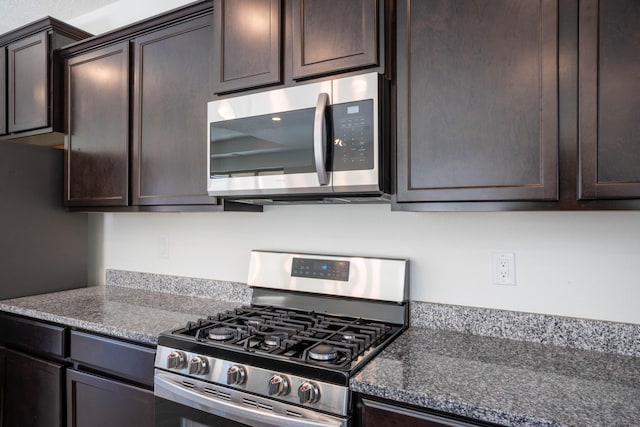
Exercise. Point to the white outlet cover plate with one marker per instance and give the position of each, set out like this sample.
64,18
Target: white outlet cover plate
504,268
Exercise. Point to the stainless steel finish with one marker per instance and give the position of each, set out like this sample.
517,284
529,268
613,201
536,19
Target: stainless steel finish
257,104
349,89
308,392
237,405
373,310
323,353
278,385
220,334
257,189
320,138
236,375
381,279
198,365
335,398
177,360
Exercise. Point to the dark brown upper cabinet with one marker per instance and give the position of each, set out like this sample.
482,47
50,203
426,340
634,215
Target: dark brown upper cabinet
260,43
3,91
31,93
97,142
477,101
332,36
170,114
247,38
136,116
28,83
609,98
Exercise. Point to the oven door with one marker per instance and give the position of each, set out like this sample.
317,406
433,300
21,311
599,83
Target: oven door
186,402
270,143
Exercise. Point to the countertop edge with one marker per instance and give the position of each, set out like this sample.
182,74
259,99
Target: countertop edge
115,332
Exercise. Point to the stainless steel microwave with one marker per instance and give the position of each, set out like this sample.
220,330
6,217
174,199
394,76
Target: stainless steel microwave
317,142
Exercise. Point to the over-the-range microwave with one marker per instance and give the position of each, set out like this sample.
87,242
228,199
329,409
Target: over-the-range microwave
318,142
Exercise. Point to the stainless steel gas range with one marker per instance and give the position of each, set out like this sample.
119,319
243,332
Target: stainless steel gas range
285,360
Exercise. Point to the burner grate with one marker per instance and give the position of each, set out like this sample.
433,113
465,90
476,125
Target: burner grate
306,336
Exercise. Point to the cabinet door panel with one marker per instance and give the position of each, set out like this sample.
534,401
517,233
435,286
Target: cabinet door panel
332,36
171,81
3,91
93,401
28,83
97,142
609,99
477,100
33,391
247,43
381,414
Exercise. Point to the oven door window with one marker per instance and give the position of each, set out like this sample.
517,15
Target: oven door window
271,144
171,414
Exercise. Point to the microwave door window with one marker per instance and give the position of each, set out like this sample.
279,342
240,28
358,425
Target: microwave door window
279,143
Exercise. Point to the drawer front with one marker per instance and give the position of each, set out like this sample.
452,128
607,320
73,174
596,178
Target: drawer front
126,360
32,335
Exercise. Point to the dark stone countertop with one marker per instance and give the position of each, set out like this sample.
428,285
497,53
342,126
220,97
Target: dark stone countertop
134,314
505,381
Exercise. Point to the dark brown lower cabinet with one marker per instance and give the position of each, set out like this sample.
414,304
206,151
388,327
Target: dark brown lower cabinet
377,413
32,391
94,401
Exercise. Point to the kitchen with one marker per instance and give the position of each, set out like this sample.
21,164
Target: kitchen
576,264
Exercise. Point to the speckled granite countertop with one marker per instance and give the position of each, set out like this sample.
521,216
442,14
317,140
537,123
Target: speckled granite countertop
504,381
508,368
123,312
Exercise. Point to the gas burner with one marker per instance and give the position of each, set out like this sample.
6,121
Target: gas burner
221,333
348,336
323,352
255,323
272,340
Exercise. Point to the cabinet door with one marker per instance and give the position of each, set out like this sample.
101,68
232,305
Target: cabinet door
171,90
247,42
2,383
32,394
380,414
332,36
3,90
609,128
28,83
477,100
97,141
93,401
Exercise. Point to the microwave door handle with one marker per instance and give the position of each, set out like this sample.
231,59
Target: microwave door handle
320,139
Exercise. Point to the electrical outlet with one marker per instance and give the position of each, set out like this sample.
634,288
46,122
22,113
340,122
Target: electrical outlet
504,268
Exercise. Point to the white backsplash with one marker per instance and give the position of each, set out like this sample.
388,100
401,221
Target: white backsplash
578,264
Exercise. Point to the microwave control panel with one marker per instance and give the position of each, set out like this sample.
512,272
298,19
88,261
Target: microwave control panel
353,135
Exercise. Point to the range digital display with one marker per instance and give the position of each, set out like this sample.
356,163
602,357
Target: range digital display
320,269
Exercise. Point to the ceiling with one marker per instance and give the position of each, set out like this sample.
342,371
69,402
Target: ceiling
16,13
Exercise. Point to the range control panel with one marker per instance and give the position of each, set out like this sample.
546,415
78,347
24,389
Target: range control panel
320,269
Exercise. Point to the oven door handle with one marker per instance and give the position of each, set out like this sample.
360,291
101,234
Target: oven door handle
320,138
173,391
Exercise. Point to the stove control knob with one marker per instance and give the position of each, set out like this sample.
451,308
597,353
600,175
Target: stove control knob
236,374
278,385
198,366
176,360
308,392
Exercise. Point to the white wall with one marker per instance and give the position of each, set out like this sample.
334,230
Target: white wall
581,264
